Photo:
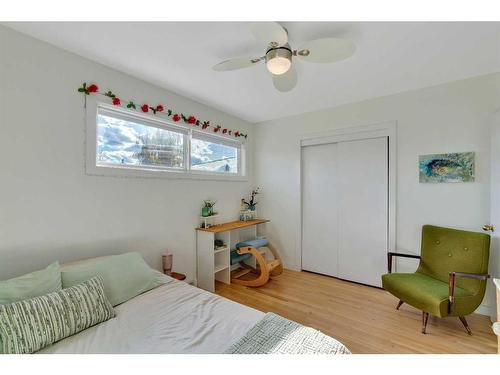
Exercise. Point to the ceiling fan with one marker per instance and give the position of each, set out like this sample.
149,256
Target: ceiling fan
279,54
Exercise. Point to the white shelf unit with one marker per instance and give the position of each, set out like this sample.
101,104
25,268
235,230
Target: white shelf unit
219,268
221,249
222,271
216,264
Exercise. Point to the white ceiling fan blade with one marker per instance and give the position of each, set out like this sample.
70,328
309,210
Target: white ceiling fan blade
238,63
268,32
326,50
285,82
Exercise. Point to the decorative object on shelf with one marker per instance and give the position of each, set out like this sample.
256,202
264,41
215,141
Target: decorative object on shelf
248,209
440,168
167,261
157,110
219,245
252,203
208,208
247,215
208,221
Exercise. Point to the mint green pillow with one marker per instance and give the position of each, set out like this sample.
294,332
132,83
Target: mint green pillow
31,285
30,325
124,276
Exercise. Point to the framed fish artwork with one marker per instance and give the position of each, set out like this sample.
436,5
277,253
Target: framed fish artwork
442,168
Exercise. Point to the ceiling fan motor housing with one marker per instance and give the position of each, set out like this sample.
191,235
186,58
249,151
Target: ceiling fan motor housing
279,59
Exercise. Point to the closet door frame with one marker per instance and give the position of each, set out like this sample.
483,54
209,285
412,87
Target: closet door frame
385,129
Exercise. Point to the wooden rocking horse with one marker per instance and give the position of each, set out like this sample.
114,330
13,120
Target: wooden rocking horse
244,251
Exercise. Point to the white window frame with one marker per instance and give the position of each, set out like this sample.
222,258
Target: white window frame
114,170
203,136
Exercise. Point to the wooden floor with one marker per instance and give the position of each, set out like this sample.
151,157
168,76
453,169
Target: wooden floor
361,317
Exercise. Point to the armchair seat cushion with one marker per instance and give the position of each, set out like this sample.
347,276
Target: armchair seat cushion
422,292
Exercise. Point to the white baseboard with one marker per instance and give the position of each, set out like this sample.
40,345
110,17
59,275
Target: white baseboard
290,265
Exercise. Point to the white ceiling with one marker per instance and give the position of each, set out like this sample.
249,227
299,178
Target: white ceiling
390,58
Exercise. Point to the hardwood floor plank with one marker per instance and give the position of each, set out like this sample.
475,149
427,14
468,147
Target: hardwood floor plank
365,319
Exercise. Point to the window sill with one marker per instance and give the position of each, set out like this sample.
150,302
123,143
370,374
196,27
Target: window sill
103,171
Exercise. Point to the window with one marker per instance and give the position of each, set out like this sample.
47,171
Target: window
130,144
213,156
127,143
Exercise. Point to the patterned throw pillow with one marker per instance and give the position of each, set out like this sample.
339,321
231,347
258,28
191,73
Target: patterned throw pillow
30,325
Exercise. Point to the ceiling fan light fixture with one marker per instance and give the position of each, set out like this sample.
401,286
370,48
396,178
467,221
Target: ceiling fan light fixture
279,60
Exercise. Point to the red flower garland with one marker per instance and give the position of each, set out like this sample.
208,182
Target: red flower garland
190,120
93,88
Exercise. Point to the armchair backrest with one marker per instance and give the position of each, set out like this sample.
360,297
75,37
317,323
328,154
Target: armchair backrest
445,250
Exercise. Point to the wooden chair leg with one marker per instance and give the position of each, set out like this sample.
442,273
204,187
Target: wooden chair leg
425,318
279,269
399,304
464,322
264,272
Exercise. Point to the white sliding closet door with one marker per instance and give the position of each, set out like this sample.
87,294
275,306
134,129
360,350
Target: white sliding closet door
363,210
345,209
319,209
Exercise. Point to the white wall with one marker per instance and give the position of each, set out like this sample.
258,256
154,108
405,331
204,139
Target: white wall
452,117
49,208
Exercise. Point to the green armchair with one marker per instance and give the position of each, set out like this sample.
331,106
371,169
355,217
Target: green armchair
451,276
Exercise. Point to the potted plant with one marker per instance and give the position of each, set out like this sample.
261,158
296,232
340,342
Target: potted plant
252,203
208,208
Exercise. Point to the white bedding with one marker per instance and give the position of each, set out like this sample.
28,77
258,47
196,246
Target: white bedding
173,318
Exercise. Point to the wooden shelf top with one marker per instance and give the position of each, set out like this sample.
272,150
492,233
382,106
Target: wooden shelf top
232,225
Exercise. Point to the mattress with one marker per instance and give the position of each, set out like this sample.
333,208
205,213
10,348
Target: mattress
173,318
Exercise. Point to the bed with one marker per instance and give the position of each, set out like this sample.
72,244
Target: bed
178,318
131,308
173,318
